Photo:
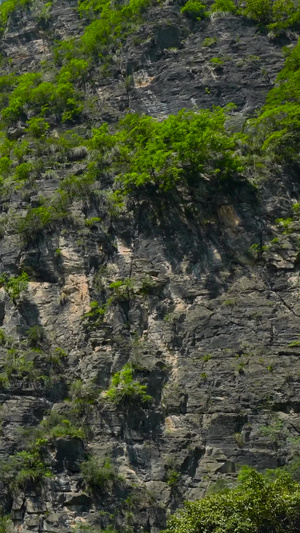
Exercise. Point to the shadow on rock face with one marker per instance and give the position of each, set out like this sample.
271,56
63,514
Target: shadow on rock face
69,454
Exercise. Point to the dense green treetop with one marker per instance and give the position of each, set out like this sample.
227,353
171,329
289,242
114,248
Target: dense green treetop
257,505
278,125
188,146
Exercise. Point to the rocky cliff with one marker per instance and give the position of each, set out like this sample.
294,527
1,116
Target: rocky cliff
147,351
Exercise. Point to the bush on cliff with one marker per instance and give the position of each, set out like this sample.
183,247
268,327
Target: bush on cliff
278,14
188,146
257,505
126,390
278,125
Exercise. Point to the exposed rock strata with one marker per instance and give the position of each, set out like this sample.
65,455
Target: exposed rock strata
212,333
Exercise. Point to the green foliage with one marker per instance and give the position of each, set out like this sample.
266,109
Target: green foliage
223,6
91,222
44,13
35,221
38,127
121,290
59,427
35,336
260,10
257,505
294,343
76,69
5,163
22,171
278,125
194,9
14,285
110,23
83,393
188,146
99,475
125,390
275,13
217,61
6,525
17,367
209,41
3,337
94,317
23,468
31,95
7,8
173,477
40,219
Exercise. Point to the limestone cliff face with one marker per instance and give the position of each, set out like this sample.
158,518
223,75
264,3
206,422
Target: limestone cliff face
212,328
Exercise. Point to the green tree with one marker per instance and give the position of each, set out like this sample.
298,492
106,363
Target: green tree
14,285
188,146
257,505
224,6
275,13
194,9
278,125
125,389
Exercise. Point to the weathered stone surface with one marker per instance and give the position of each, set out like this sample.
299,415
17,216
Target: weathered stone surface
210,327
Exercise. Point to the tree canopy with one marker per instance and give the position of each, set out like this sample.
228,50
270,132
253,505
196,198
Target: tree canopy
256,505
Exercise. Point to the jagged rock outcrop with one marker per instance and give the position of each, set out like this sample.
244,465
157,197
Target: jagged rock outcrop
211,326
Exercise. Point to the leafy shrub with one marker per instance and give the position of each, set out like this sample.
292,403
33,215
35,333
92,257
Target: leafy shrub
94,317
114,22
209,41
43,14
257,505
3,337
224,6
35,221
31,95
6,525
14,285
275,13
56,425
173,477
7,8
20,150
17,367
22,171
217,61
194,9
186,146
35,336
38,127
99,475
5,164
92,222
278,125
40,219
22,469
125,389
121,290
260,10
83,393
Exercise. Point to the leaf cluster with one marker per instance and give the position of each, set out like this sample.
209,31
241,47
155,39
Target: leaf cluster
99,475
125,390
278,124
194,9
188,146
14,285
276,14
257,505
